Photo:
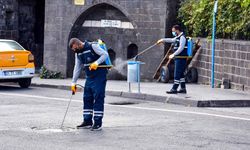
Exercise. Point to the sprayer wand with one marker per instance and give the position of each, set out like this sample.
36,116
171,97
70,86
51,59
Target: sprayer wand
101,66
145,50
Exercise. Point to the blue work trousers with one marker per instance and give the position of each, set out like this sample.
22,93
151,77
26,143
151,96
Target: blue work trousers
179,78
93,97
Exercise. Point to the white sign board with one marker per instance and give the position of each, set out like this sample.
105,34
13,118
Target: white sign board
111,23
79,2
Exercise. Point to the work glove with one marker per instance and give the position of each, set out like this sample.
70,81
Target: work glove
171,56
73,88
93,66
160,41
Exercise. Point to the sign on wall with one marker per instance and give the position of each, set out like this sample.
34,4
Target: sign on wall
111,23
79,2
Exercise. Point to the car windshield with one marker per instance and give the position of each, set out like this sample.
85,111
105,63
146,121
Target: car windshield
10,45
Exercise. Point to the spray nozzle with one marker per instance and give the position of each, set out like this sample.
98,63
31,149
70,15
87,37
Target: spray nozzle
135,58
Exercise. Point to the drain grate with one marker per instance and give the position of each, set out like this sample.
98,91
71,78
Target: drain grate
123,103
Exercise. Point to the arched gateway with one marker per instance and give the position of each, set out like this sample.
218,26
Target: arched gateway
108,23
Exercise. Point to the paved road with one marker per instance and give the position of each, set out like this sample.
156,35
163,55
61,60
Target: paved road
30,119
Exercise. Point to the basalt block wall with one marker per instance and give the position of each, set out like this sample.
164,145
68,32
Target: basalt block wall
137,25
232,61
8,19
23,21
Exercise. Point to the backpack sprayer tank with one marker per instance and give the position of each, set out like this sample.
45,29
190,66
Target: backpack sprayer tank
107,61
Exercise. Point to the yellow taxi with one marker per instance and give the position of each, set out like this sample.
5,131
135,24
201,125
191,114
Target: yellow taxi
16,63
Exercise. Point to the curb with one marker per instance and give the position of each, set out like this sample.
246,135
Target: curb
146,97
63,87
224,103
139,96
182,101
164,99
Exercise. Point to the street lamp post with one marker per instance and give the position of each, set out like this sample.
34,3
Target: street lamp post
213,41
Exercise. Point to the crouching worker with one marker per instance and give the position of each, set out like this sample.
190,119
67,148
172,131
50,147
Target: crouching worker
180,57
89,56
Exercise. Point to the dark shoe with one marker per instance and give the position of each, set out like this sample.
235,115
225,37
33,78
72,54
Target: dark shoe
96,128
171,91
184,91
85,125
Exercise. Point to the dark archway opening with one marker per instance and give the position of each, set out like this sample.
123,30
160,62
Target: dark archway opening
132,51
31,27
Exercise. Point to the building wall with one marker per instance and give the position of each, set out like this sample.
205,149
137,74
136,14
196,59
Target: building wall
31,27
23,21
232,61
9,19
64,20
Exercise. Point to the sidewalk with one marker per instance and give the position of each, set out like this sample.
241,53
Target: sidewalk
197,96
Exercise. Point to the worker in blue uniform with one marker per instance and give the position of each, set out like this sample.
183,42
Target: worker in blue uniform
180,57
89,56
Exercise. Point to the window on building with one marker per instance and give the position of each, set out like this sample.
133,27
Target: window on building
9,19
132,51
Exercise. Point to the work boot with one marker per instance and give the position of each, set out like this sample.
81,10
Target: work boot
96,127
172,91
85,125
184,91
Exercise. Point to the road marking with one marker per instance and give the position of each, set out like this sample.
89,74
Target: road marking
131,107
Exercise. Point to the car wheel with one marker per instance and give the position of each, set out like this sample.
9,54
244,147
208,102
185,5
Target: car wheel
165,76
24,83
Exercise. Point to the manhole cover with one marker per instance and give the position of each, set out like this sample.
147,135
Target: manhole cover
123,103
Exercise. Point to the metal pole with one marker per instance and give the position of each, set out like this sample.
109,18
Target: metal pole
129,87
213,41
138,77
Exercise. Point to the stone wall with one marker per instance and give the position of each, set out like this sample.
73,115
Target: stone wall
23,21
64,20
31,27
232,61
8,19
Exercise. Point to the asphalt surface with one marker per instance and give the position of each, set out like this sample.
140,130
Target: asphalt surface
31,119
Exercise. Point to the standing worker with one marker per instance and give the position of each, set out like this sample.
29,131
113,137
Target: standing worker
89,56
180,55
